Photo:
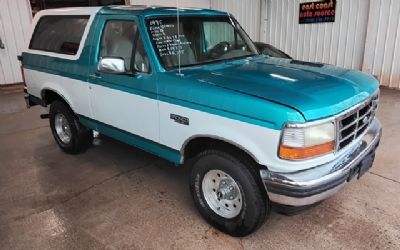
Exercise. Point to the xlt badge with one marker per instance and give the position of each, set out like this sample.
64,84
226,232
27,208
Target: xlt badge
180,119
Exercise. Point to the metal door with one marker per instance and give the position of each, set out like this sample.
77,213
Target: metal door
127,102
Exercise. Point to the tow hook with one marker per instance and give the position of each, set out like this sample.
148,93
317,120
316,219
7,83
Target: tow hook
44,116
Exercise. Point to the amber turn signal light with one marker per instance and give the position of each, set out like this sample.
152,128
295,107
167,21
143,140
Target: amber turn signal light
290,153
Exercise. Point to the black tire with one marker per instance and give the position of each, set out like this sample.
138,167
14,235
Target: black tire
256,206
81,137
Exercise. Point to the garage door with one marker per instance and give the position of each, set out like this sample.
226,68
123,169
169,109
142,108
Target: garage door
15,19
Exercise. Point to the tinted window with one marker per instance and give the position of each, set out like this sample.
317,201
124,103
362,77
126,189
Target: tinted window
59,34
121,39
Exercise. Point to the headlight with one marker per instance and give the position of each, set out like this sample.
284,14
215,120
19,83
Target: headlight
299,143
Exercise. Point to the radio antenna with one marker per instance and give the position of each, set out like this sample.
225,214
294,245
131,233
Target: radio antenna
179,39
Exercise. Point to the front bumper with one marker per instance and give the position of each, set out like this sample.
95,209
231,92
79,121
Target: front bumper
310,186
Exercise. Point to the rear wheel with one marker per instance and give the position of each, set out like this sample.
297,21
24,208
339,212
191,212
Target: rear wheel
70,135
227,193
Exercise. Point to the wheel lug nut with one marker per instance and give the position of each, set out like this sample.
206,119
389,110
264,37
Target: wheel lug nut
230,188
231,198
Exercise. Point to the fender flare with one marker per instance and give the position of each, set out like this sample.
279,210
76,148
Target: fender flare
219,138
42,94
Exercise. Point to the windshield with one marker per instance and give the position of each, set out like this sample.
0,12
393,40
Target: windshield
201,40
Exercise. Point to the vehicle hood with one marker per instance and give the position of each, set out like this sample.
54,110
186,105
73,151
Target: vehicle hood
316,90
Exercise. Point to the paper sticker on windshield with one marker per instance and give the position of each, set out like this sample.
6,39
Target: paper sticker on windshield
166,38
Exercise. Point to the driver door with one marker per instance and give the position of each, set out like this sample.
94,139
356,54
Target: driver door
124,102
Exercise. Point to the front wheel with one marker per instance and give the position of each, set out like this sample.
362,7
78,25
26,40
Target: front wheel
227,193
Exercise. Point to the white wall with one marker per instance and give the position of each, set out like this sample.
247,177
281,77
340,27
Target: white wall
182,3
382,51
249,14
340,43
365,36
15,19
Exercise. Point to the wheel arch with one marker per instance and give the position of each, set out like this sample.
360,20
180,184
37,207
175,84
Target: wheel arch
49,95
196,144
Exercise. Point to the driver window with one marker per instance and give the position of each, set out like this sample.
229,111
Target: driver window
122,39
117,41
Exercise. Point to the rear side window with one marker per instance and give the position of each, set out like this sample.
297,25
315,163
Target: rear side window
59,34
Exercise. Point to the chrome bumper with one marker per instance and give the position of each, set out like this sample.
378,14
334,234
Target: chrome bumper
310,186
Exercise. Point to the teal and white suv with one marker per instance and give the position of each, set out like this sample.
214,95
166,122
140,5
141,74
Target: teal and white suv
254,130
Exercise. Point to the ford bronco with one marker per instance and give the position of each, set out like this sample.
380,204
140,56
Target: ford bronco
189,86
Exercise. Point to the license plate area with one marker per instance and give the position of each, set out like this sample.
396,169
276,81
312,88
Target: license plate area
362,167
366,164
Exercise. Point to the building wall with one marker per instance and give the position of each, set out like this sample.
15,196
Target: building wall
15,19
365,36
382,49
340,43
249,14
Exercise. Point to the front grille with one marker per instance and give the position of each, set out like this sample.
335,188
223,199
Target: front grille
353,124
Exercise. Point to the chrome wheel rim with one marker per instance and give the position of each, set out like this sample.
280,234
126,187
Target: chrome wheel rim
62,127
222,194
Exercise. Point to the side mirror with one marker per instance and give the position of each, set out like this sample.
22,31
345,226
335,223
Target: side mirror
113,65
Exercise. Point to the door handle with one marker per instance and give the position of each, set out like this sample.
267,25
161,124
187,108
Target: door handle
2,44
95,76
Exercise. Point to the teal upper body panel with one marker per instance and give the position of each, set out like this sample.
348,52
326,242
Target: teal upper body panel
316,90
197,93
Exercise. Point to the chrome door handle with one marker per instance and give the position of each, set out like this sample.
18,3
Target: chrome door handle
2,44
94,76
